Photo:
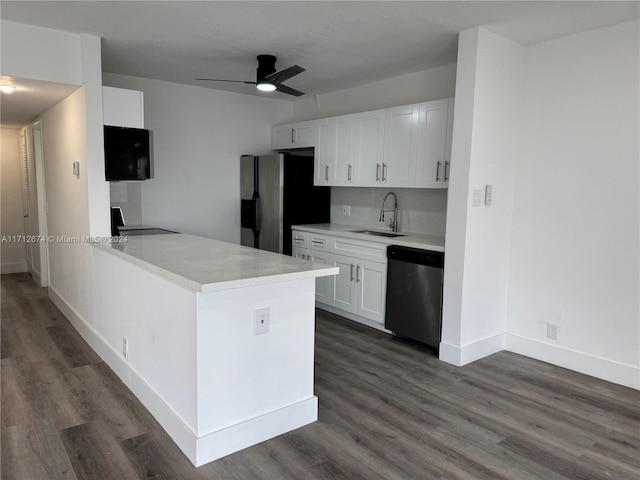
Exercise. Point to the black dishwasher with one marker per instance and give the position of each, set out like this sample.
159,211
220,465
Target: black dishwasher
414,294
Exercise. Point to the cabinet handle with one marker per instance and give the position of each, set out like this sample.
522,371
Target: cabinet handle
438,172
293,132
384,172
357,273
349,173
298,239
377,172
352,272
326,172
446,171
317,242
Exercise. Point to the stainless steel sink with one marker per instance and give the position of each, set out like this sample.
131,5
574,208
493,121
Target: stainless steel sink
379,234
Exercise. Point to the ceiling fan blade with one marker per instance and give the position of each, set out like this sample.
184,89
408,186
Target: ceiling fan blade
286,74
289,90
223,80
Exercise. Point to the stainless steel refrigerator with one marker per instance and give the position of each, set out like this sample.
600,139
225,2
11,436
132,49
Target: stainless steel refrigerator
277,192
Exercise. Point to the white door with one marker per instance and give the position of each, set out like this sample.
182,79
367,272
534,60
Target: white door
299,252
430,168
369,137
341,129
400,146
324,285
321,155
343,292
371,281
26,200
282,136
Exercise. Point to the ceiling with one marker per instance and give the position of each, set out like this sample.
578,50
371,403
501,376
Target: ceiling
341,44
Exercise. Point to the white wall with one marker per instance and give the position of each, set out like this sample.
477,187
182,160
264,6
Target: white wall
199,135
575,247
13,255
431,84
485,145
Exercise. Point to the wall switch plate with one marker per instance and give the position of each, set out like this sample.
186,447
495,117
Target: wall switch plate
125,348
346,210
261,321
488,194
76,169
477,197
552,331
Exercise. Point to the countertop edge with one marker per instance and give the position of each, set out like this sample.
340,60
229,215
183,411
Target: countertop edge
409,240
223,285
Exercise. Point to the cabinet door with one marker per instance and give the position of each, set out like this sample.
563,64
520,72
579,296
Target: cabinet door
282,137
304,134
122,107
343,288
342,136
432,132
448,142
321,154
400,146
369,137
324,285
371,282
299,252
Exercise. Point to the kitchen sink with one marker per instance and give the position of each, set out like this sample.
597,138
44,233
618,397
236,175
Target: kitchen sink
379,234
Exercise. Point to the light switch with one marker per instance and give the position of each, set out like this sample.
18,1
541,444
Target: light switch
76,169
477,197
488,194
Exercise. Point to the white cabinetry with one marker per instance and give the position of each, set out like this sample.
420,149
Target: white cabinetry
314,247
359,290
400,147
432,168
369,137
294,135
122,108
342,138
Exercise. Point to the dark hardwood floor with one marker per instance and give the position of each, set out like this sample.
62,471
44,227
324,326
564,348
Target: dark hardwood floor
388,410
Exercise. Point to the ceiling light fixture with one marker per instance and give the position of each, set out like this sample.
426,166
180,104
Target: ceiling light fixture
7,88
266,87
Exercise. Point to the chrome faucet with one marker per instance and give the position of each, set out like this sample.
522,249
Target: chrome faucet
394,224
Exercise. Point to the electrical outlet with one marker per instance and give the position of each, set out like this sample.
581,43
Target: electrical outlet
125,348
488,194
261,321
346,210
552,331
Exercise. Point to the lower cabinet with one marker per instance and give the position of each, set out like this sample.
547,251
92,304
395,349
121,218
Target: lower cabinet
360,287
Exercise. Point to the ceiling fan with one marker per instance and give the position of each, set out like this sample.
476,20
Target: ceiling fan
267,79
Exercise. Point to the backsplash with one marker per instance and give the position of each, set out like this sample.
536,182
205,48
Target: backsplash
127,196
420,210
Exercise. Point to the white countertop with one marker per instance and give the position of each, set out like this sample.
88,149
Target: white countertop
206,265
415,240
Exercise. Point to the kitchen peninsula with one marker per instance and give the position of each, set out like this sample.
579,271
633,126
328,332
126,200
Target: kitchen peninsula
179,326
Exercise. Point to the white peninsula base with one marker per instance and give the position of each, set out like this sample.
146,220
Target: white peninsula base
192,357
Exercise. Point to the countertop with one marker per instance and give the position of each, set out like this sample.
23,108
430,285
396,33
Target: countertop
415,240
206,265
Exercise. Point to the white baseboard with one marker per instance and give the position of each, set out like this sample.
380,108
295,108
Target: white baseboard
609,370
13,267
177,428
223,442
353,316
471,352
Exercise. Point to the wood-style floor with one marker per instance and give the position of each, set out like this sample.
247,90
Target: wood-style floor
388,410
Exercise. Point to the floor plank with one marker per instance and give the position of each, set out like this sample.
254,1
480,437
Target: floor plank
388,409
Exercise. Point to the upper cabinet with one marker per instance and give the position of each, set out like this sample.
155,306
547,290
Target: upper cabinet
122,108
294,135
432,169
406,146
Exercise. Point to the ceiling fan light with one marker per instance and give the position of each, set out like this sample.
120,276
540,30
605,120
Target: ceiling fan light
266,87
